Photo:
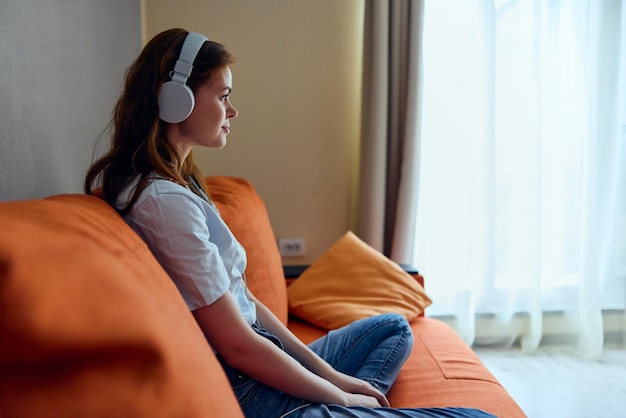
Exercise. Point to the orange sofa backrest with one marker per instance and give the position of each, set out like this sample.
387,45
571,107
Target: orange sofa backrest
246,215
90,325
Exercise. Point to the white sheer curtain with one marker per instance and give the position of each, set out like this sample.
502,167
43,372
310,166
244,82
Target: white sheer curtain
521,221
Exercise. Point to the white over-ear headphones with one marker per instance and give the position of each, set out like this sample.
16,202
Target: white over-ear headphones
176,100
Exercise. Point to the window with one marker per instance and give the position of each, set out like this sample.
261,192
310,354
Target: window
522,180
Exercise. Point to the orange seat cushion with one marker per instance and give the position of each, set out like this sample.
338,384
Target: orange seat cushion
442,371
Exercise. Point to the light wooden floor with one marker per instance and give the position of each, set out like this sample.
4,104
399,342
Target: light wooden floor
554,383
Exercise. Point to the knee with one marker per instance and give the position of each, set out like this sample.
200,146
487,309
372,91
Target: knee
405,327
400,328
398,322
397,318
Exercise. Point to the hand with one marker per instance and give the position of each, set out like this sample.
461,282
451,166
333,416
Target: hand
360,389
354,399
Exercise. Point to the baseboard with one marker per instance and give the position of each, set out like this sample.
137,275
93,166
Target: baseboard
557,329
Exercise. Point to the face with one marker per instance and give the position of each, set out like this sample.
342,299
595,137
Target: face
209,123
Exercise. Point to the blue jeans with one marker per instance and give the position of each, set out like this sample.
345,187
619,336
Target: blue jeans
373,349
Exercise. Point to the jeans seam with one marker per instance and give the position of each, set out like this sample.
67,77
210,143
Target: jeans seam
392,354
296,409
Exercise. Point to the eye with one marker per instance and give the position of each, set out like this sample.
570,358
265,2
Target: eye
224,98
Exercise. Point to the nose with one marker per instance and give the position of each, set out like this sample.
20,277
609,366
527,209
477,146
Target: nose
231,111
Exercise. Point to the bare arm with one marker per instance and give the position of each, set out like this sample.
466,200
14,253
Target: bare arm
242,348
310,359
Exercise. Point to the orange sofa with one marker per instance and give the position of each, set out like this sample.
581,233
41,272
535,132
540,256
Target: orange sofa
91,326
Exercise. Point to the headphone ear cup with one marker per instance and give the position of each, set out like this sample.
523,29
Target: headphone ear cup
176,102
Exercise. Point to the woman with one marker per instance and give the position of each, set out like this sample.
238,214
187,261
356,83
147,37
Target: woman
176,97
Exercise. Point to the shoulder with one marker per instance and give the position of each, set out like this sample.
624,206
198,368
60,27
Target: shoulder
165,191
159,186
156,188
163,199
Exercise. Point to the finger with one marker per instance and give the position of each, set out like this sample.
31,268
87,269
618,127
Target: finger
382,399
375,402
364,400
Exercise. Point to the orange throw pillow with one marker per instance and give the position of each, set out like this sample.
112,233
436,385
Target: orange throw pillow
351,281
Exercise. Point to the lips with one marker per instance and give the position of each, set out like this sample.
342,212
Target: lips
226,129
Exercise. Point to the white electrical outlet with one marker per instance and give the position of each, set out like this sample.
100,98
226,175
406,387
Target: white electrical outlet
291,247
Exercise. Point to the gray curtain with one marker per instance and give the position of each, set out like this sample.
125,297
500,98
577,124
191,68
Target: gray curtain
389,165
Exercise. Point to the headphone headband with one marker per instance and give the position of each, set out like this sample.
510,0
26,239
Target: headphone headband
191,47
176,100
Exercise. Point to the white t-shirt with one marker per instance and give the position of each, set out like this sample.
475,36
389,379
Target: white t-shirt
190,240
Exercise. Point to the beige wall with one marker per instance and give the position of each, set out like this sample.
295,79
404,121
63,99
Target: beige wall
297,88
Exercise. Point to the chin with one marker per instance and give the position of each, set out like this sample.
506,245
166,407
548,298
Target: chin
217,143
220,144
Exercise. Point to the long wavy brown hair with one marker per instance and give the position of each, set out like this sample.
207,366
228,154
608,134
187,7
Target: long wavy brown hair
139,144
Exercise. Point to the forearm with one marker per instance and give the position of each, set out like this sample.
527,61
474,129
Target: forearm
296,348
242,348
268,364
311,361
